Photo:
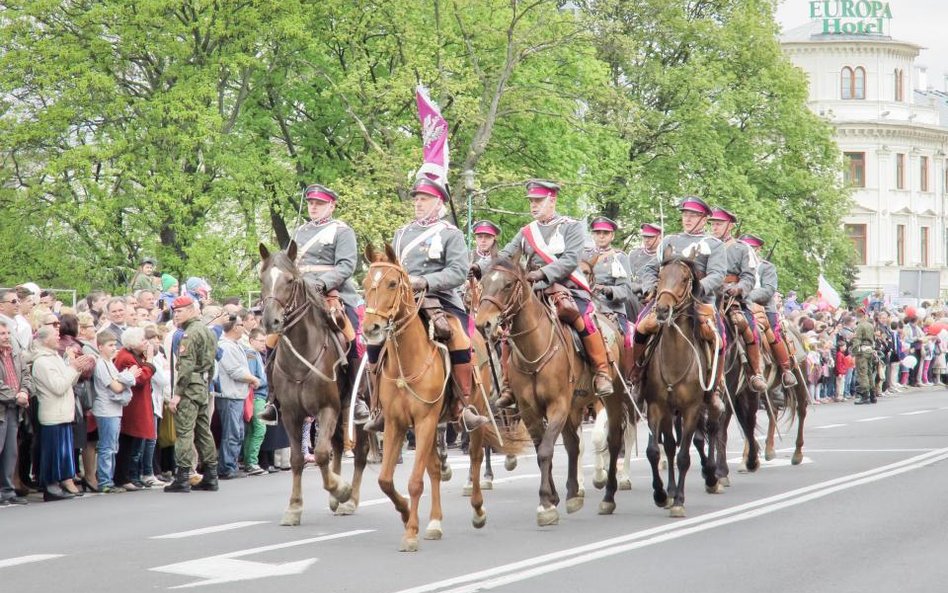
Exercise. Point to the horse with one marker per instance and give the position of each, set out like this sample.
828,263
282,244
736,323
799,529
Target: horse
306,377
551,382
676,349
793,404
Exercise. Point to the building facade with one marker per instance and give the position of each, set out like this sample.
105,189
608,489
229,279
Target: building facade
894,141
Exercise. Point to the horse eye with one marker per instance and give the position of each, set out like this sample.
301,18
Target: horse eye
392,283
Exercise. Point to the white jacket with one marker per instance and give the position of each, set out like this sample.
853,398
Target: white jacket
52,383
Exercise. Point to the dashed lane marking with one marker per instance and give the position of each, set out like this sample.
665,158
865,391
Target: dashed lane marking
205,530
873,419
7,562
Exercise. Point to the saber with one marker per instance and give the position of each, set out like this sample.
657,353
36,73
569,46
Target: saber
352,398
628,393
493,421
493,369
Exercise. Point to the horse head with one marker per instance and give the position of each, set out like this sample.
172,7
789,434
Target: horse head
280,285
676,286
588,268
504,288
389,301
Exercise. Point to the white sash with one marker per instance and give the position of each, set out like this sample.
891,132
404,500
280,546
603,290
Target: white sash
431,231
326,235
535,239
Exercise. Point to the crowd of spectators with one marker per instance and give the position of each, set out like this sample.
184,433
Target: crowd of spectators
84,390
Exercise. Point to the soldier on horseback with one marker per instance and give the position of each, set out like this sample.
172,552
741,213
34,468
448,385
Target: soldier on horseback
765,289
326,257
434,254
651,236
613,285
710,262
553,246
485,241
738,282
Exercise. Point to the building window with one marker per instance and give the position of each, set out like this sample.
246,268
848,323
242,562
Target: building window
923,171
899,84
924,246
852,83
900,171
846,83
900,245
857,234
854,173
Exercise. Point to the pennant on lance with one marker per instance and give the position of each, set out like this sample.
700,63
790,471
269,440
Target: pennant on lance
434,136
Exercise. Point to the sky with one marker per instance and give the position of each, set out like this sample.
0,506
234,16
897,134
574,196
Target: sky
916,21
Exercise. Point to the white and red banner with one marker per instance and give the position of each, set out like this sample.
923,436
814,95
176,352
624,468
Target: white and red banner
434,137
826,293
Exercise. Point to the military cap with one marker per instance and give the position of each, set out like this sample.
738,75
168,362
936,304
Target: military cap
319,192
752,240
721,214
541,188
603,223
486,227
650,230
430,187
694,204
148,260
181,302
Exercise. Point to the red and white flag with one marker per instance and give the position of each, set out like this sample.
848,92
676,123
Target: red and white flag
434,137
825,292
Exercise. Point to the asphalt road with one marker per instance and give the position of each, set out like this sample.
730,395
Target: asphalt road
865,512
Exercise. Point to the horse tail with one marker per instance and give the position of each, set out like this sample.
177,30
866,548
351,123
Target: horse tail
515,438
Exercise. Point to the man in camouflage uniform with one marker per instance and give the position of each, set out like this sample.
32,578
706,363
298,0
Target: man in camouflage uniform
864,345
553,246
765,289
739,281
435,255
326,255
195,359
710,262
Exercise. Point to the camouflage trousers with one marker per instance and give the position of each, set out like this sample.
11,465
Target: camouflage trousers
192,424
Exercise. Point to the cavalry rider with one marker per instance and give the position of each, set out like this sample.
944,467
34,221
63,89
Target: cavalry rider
651,235
326,256
738,282
611,272
485,242
763,294
554,245
434,254
710,262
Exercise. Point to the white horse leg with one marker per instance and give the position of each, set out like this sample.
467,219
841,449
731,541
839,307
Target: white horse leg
600,451
580,477
629,435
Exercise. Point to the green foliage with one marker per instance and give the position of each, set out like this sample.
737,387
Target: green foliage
187,129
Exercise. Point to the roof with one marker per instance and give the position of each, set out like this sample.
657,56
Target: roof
940,103
812,32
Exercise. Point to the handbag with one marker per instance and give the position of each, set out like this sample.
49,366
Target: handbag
166,431
248,406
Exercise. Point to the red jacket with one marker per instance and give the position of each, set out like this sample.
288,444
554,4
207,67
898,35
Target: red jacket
138,417
844,362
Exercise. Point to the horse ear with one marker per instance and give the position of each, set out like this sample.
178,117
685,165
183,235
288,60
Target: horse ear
264,252
291,250
667,254
369,253
390,252
517,255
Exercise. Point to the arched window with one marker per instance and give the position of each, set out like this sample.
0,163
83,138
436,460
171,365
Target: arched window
852,83
899,84
846,83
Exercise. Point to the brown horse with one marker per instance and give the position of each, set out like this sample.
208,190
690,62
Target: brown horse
551,382
675,380
794,402
306,378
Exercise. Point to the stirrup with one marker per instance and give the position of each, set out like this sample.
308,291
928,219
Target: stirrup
763,383
479,422
783,377
607,391
375,423
270,415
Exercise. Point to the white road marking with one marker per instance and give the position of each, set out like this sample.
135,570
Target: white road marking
547,563
925,450
223,568
915,413
776,462
204,530
829,426
27,559
873,419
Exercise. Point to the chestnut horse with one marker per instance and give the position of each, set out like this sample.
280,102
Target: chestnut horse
675,380
794,401
306,378
551,382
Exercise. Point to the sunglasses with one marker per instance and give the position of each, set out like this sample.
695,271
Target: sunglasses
52,323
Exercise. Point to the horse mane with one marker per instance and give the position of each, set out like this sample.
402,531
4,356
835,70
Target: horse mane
283,261
509,265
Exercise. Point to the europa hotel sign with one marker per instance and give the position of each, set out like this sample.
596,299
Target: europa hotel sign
851,17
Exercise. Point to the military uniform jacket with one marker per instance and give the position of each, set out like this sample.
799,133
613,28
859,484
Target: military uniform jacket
198,348
483,260
709,257
637,260
741,262
865,336
328,252
437,253
565,238
763,293
612,269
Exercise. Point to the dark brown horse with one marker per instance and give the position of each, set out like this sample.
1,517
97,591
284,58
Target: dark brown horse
551,382
307,378
676,378
794,402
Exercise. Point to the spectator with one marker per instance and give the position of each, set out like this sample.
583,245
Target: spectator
14,395
169,290
142,280
235,382
86,339
9,306
96,301
69,341
138,417
53,380
790,303
116,311
112,394
24,329
844,364
160,394
254,438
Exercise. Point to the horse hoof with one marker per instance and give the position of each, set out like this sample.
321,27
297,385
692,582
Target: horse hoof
606,508
546,517
581,493
333,503
770,454
716,489
343,492
574,504
599,483
510,463
409,544
677,512
479,521
469,489
346,508
487,484
725,481
625,484
797,459
291,518
434,530
753,467
670,502
446,473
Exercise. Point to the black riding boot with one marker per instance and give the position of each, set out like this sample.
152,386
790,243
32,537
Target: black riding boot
209,481
182,481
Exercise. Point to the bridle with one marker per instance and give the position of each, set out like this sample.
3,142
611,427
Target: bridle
514,303
293,310
404,300
682,299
